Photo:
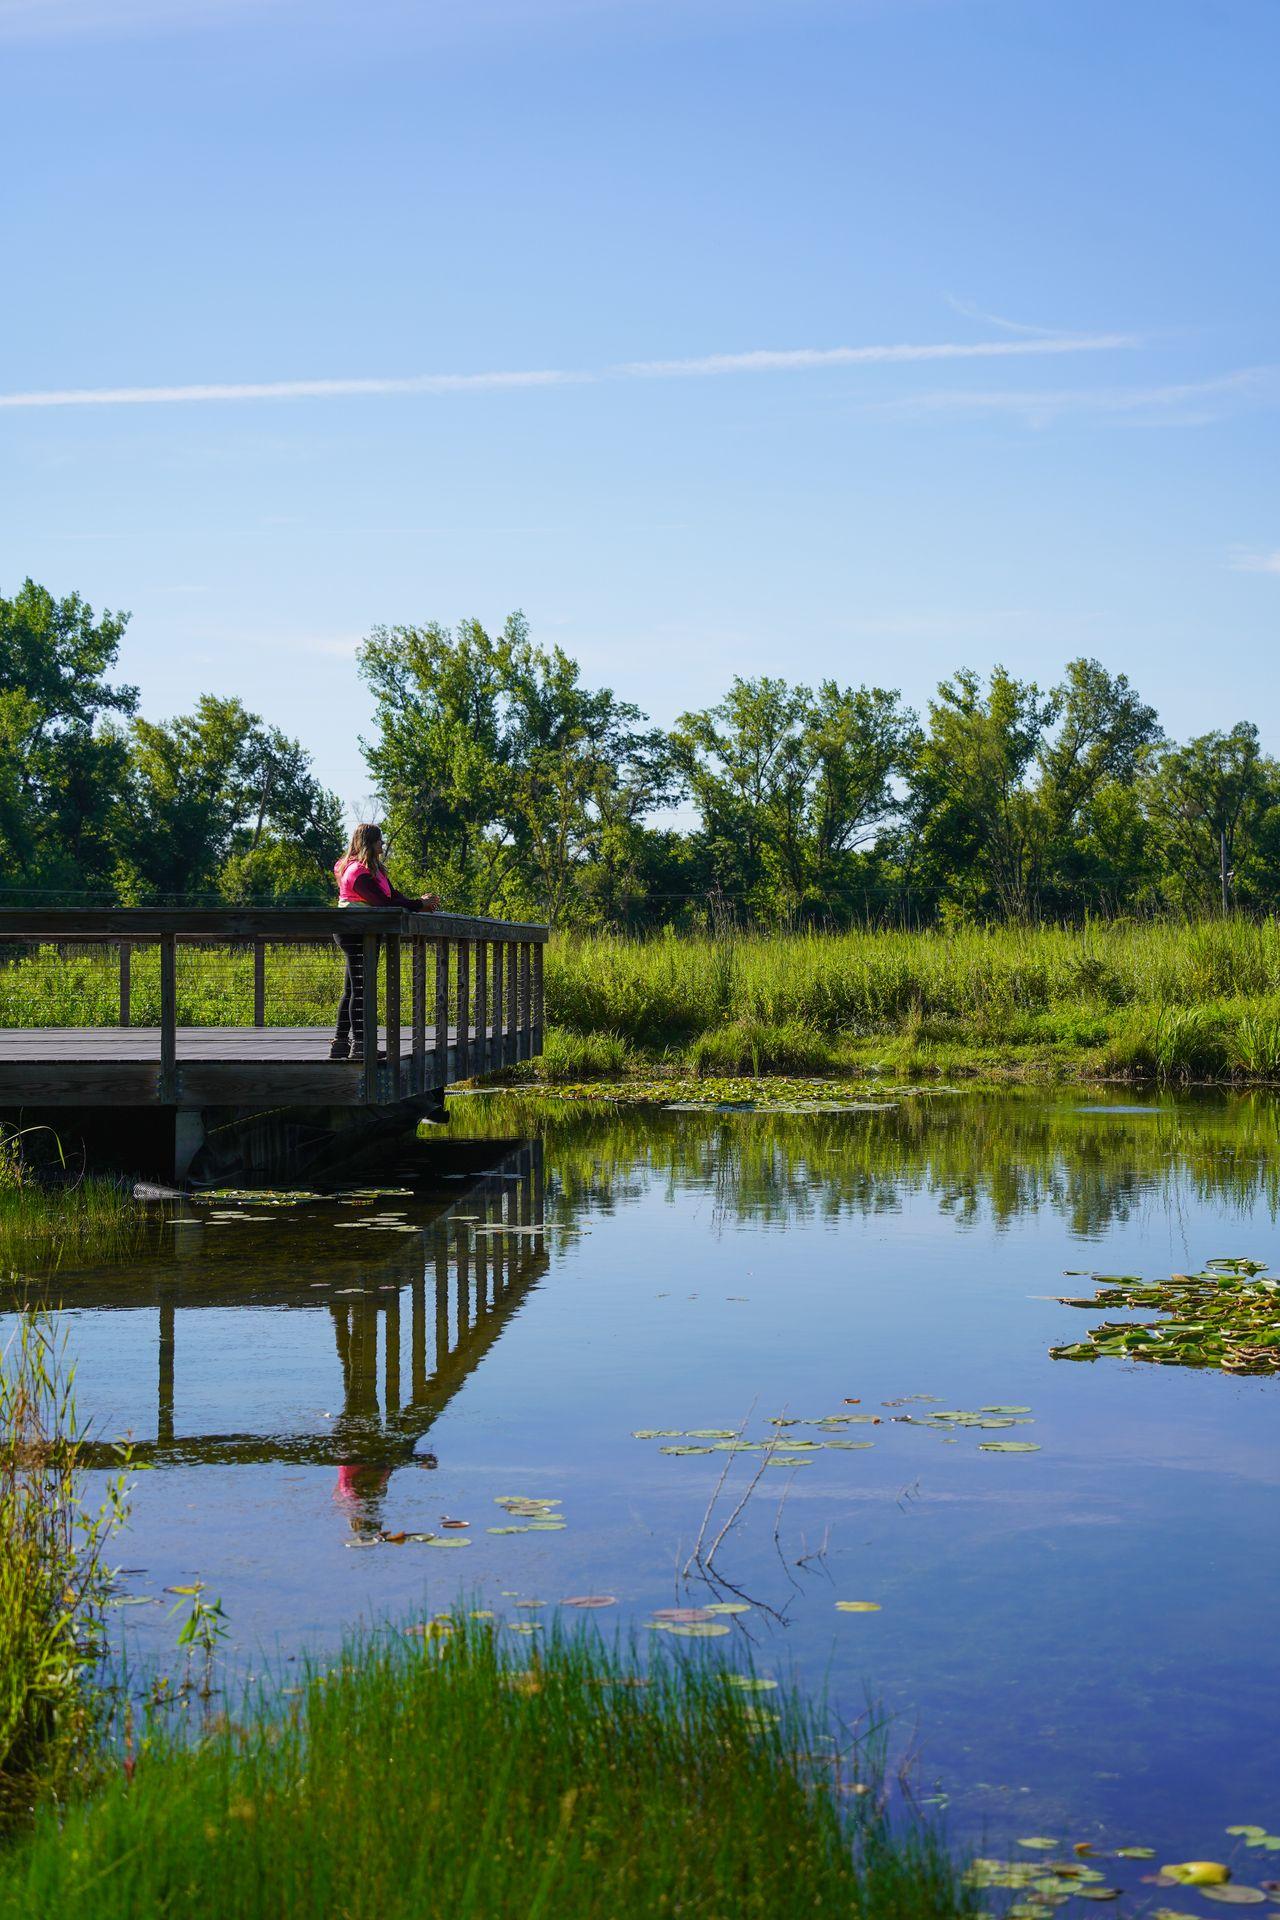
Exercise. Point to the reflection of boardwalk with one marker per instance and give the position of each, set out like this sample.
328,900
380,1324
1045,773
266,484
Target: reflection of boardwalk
427,1311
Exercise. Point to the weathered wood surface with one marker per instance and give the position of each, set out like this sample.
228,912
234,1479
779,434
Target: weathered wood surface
263,1044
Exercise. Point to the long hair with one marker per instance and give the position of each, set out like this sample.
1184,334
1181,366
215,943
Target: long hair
365,847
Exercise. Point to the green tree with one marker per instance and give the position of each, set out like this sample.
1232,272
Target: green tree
791,786
61,770
1006,777
220,805
506,782
1209,802
438,758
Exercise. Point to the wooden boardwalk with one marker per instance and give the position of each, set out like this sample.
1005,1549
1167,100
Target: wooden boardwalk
474,1005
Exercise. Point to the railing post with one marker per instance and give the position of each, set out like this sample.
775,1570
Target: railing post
463,1042
442,1012
498,1056
512,1053
259,983
535,1044
369,987
393,1011
526,1003
126,962
480,1064
418,1081
168,1018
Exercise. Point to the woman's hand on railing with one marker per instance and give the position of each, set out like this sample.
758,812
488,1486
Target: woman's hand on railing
430,903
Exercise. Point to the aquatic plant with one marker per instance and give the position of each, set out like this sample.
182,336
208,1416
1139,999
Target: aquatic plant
1227,1317
434,1773
54,1581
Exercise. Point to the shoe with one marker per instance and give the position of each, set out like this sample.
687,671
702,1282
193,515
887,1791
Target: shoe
339,1049
357,1053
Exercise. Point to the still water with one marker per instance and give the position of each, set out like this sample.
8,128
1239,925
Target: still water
1078,1641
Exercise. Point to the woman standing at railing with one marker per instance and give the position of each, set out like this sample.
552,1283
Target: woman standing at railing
363,882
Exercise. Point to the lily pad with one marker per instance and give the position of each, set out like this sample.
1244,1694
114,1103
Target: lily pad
867,1606
1235,1896
748,1683
1008,1446
590,1600
699,1630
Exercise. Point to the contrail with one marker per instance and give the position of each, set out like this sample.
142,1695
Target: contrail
763,360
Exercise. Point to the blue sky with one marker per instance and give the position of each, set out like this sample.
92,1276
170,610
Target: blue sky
656,320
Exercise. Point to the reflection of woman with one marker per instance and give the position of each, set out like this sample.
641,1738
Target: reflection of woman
358,1430
363,882
361,1482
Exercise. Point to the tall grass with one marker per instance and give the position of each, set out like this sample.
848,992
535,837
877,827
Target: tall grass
53,1577
1115,993
46,1215
443,1780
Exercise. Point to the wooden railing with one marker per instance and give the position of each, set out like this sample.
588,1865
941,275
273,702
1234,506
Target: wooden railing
476,986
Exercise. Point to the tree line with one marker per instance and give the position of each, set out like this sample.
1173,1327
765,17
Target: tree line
510,787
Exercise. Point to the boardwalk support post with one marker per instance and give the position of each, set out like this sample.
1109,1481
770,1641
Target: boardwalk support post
168,1019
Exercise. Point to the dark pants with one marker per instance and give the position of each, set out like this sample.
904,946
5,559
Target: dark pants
350,1028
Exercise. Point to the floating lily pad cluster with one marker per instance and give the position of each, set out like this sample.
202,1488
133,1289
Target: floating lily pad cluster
1227,1317
784,1449
772,1093
1042,1884
529,1514
696,1623
402,1538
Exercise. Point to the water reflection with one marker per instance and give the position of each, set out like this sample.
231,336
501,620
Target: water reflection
986,1159
410,1322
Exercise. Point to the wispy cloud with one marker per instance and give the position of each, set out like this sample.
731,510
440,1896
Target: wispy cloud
762,360
1191,402
1242,561
969,312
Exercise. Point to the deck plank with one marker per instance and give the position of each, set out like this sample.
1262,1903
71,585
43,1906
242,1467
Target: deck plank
260,1045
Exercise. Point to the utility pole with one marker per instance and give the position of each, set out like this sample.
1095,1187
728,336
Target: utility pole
1222,866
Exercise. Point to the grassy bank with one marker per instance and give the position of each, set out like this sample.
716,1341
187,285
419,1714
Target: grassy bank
438,1776
1200,1001
53,1578
1151,1000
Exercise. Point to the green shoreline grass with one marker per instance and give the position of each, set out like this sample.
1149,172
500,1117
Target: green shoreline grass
441,1776
1157,1000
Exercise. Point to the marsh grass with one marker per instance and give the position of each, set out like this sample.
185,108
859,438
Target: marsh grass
54,1581
1158,999
439,1776
85,1221
47,1212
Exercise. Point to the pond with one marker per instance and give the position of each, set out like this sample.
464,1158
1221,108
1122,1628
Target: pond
1074,1640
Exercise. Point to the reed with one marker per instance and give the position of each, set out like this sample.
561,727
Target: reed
441,1776
54,1581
